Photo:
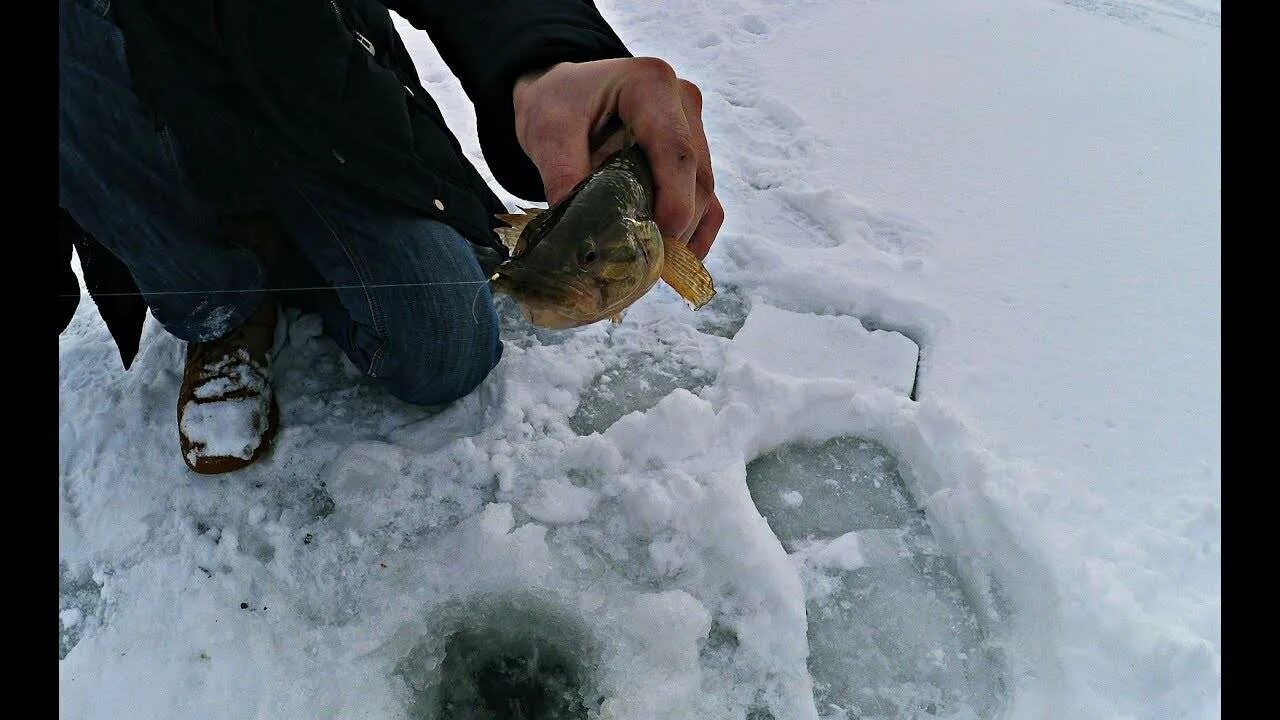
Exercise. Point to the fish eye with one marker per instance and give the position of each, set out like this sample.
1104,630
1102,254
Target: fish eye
587,254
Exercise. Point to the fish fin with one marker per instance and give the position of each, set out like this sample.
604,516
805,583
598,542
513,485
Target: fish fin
685,273
517,222
616,319
510,238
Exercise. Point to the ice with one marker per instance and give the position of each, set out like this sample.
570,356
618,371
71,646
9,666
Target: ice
634,384
644,366
521,681
725,314
818,346
898,641
80,600
891,632
509,660
847,484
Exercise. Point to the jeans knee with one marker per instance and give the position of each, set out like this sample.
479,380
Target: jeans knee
205,319
448,362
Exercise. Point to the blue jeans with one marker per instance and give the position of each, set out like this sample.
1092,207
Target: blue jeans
405,298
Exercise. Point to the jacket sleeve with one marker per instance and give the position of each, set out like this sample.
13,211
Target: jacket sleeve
488,44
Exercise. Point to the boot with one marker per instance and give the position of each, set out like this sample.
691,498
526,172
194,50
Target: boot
227,411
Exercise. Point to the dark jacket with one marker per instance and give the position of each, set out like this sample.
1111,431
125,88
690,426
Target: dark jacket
257,92
108,282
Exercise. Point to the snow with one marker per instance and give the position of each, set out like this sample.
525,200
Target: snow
1006,209
230,427
842,553
69,617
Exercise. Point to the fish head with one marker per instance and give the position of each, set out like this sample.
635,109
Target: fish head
584,268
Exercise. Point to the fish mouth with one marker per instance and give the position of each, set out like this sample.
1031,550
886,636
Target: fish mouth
551,300
554,296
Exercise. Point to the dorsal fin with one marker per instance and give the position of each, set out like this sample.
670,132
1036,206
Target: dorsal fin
520,219
510,236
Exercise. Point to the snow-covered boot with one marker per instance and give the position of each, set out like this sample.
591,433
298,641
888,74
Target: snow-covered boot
227,411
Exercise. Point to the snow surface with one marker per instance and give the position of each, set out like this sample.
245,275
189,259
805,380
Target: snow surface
697,514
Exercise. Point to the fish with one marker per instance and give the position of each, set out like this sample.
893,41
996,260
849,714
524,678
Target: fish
596,251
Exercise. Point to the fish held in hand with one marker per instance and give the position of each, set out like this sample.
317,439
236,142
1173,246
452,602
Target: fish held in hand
597,251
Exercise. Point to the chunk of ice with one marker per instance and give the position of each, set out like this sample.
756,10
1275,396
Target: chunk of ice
891,631
826,346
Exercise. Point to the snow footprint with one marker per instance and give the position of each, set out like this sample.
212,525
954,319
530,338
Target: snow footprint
1145,14
217,541
754,24
708,40
839,220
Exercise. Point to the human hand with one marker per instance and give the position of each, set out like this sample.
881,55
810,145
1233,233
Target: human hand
568,120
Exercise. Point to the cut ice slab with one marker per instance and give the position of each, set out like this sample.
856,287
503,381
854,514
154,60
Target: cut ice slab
805,345
892,633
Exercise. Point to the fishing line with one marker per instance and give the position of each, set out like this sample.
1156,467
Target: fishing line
479,290
281,289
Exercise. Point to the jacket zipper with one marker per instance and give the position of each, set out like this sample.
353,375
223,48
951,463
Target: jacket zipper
367,45
364,41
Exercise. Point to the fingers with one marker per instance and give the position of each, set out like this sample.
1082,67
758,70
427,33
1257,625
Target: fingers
649,103
704,179
705,234
568,118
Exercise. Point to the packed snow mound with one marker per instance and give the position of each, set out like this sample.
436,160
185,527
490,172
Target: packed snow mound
429,565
